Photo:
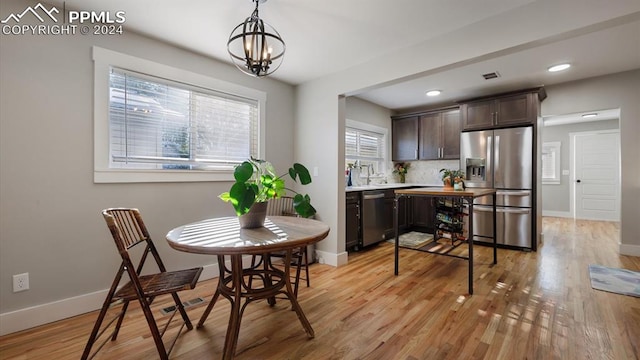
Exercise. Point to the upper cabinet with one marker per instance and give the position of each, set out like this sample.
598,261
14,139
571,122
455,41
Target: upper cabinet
405,138
440,135
432,135
502,111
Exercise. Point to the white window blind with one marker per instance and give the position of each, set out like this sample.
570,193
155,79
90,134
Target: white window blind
156,123
365,146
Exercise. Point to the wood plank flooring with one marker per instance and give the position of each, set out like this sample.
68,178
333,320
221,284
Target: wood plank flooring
529,306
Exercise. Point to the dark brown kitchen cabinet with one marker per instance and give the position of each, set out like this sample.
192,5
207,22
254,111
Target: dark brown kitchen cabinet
389,199
440,135
422,213
405,138
502,111
352,220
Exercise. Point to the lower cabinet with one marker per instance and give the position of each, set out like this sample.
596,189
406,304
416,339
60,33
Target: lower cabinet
422,213
353,234
414,213
389,199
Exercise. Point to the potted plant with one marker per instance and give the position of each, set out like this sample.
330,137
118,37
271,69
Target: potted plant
451,177
256,182
401,169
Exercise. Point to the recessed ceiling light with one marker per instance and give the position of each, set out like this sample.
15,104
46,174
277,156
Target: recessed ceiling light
590,115
559,67
433,92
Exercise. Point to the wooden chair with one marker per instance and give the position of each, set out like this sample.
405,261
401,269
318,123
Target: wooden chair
128,230
283,206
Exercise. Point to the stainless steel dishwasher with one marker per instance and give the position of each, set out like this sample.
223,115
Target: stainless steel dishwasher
374,223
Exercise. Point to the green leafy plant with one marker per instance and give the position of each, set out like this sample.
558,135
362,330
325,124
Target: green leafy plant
454,175
256,181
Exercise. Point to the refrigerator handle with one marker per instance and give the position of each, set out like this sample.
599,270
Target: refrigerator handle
501,210
489,169
513,193
497,149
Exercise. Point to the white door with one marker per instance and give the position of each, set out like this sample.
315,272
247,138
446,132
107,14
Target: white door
597,175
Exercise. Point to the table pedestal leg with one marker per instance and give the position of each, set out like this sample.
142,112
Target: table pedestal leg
222,270
231,286
294,301
233,329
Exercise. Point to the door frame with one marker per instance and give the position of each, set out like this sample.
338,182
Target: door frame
572,154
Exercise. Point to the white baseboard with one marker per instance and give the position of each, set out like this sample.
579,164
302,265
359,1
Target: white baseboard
631,250
324,257
33,316
562,214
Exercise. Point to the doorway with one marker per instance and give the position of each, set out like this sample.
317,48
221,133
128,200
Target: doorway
595,160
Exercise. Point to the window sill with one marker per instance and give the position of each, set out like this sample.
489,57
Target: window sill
151,176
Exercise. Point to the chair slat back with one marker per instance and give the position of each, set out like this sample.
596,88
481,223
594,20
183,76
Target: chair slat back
282,206
128,230
126,226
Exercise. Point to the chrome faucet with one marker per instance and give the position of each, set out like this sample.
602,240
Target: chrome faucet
369,169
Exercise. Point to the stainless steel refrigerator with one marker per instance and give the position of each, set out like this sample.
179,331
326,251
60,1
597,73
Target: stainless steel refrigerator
501,159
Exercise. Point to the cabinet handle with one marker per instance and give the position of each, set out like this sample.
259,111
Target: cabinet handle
416,155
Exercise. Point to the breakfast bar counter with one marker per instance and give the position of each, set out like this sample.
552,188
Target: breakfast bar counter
467,196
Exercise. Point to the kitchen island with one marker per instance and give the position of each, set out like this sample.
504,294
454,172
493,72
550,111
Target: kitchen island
466,196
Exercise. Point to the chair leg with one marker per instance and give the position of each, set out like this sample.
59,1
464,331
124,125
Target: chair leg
154,329
96,329
298,269
125,306
103,312
180,307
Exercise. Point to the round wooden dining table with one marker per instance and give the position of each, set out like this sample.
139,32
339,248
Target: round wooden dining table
224,238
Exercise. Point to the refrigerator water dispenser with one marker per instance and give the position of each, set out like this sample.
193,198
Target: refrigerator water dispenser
475,169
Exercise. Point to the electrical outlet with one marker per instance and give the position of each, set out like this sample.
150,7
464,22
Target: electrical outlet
20,282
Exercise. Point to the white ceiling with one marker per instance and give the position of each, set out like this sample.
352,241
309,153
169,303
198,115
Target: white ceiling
328,36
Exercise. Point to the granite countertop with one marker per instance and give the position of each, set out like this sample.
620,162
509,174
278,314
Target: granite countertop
388,186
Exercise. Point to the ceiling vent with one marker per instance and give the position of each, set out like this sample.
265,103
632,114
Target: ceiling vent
491,75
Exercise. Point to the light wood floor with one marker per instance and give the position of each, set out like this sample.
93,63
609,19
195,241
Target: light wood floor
529,306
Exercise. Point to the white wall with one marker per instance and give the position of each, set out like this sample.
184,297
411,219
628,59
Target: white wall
372,114
50,222
611,92
320,113
556,197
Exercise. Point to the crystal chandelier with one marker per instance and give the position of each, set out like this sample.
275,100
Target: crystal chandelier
255,47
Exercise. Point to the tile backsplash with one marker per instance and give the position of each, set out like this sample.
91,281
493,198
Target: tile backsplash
425,172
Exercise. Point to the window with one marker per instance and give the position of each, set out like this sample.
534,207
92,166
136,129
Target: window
157,123
551,162
366,144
